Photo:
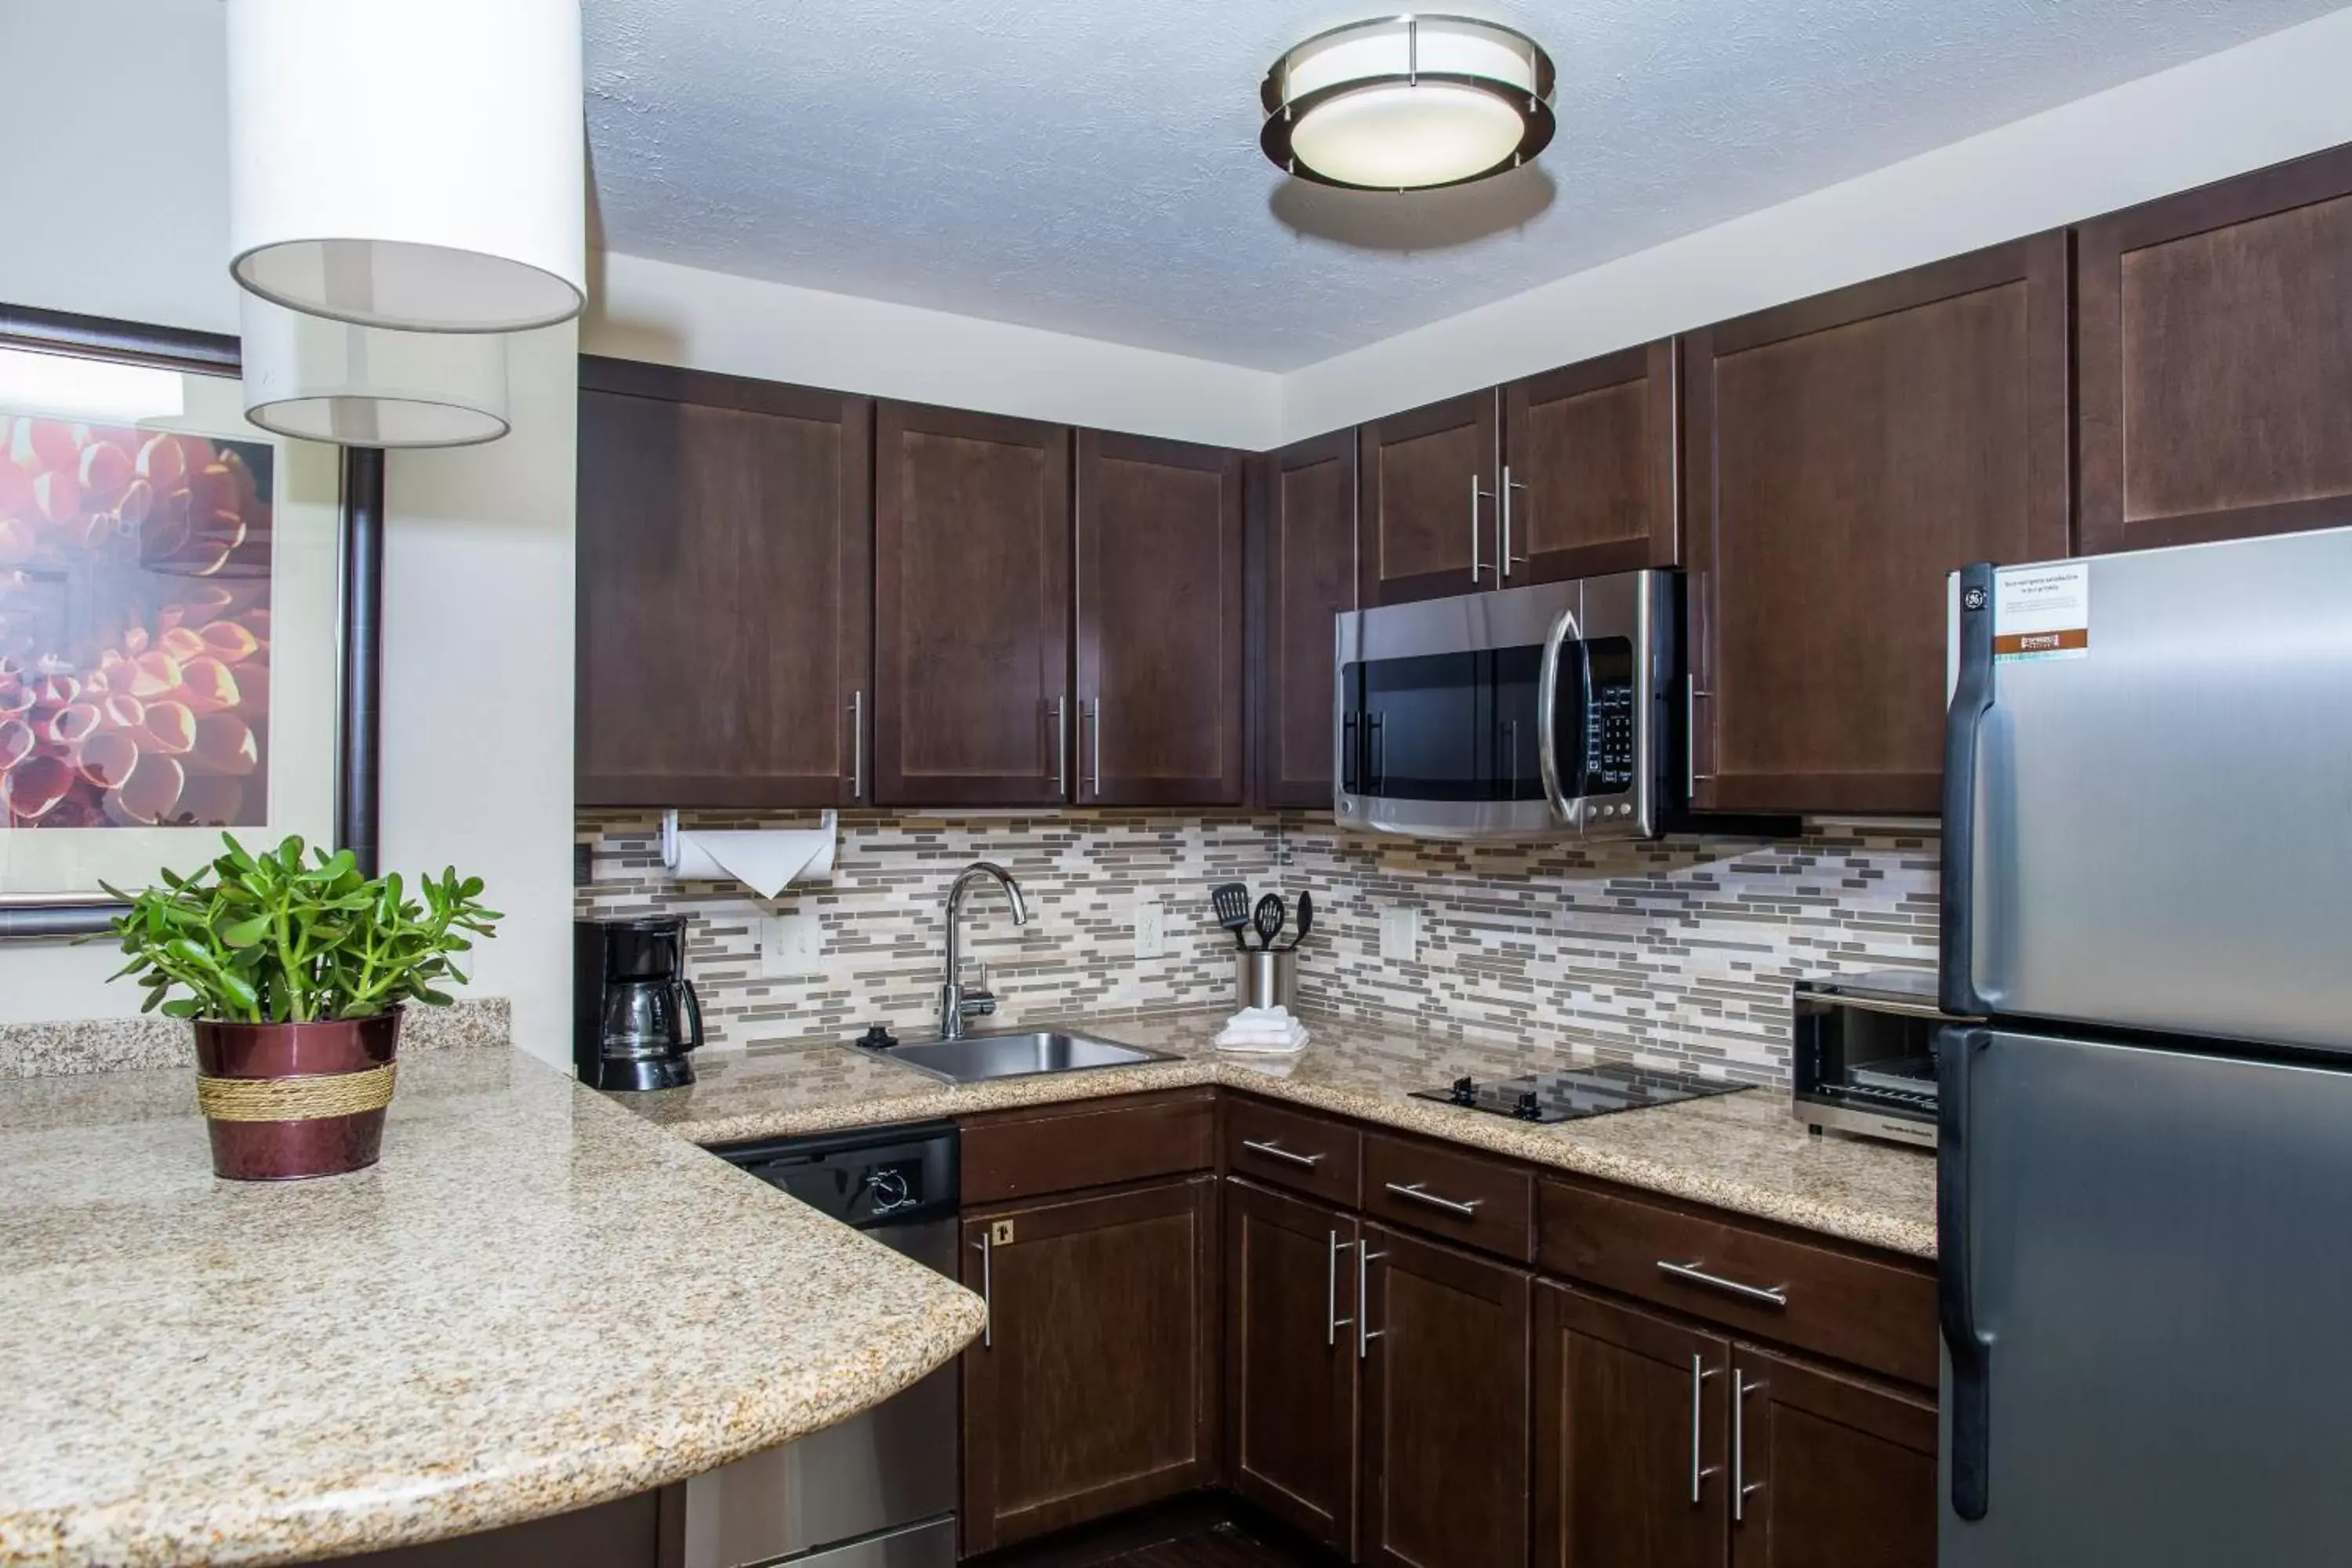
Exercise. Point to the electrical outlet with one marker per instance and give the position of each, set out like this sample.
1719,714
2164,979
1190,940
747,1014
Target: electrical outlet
1400,936
789,944
1151,930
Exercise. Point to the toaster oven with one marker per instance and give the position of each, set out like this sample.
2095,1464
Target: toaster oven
1864,1053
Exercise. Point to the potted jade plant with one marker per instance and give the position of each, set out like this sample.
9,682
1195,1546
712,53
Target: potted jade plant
293,969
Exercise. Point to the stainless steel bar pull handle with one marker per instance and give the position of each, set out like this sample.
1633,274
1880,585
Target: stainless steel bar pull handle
1097,713
1503,495
1476,492
858,745
987,1292
1365,1333
1691,694
1699,1469
1061,747
1775,1296
1739,1486
1273,1150
1467,1208
1332,1322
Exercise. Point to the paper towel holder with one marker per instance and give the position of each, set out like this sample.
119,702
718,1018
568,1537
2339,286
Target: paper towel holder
828,826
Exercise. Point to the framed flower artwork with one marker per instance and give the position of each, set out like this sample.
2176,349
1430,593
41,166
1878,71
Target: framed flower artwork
187,626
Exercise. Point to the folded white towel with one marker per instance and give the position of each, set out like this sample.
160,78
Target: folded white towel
1263,1029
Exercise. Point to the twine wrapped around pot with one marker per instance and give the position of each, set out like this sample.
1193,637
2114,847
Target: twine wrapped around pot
306,1097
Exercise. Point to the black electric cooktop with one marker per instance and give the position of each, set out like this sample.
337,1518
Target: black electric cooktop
1595,1090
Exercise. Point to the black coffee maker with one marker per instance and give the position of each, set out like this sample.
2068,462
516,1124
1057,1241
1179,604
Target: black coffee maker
634,1016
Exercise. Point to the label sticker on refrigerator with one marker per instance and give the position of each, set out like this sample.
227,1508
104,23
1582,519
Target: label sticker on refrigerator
2042,612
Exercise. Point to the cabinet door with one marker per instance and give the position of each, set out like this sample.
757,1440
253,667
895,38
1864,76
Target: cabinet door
1845,453
1445,1407
972,609
1630,1438
1428,487
1589,469
1160,638
1302,543
2217,391
1095,1389
1835,1472
724,590
1290,1339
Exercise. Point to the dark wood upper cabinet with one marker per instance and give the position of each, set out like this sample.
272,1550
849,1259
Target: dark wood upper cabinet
1429,517
1836,1471
1631,1447
1844,455
724,591
1589,469
1445,1407
2216,382
1302,576
1096,1388
1162,642
1290,1360
972,609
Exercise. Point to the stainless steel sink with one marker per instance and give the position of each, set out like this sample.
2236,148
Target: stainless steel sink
976,1058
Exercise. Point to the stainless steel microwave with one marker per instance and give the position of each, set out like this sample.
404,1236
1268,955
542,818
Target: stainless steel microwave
1524,714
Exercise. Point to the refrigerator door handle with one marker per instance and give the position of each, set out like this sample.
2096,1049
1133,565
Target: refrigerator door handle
1970,1348
1972,698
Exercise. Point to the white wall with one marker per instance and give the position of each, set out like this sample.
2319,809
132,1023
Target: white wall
669,314
117,205
2276,98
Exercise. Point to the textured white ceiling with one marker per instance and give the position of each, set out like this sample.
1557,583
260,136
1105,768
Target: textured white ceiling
1092,165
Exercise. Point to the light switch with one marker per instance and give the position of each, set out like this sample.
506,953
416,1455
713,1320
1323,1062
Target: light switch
1400,936
789,944
1151,930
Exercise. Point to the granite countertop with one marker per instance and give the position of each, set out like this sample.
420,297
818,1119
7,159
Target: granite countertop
536,1302
1739,1151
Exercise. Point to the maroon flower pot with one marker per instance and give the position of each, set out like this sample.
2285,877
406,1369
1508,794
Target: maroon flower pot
287,1101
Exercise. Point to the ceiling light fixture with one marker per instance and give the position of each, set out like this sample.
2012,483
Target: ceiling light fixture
363,387
414,164
1408,103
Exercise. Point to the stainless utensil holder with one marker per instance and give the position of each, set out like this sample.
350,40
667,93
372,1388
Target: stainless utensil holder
1265,979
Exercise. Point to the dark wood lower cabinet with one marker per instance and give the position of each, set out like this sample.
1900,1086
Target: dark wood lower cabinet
1445,1407
1643,1459
1629,1439
1291,1360
1096,1389
1837,1472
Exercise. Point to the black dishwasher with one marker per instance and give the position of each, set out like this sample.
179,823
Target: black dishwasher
878,1490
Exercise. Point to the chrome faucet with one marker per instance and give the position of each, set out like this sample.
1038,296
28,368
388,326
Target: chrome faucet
958,1001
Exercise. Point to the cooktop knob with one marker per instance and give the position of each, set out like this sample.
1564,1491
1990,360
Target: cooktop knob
1465,1090
1528,1109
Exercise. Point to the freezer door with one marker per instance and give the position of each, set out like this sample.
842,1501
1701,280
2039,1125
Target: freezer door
2157,830
2153,1251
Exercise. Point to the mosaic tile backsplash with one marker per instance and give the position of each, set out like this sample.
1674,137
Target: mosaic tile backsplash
1678,953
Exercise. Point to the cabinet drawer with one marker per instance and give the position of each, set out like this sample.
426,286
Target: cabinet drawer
1880,1315
1292,1149
1094,1143
1479,1203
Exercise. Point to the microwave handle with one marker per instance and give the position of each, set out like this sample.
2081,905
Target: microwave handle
1563,627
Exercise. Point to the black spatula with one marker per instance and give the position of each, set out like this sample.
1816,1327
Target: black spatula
1231,900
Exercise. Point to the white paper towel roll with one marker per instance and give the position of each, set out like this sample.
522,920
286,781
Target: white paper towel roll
762,859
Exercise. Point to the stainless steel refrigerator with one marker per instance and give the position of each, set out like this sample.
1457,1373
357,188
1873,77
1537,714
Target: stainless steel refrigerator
2145,1191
